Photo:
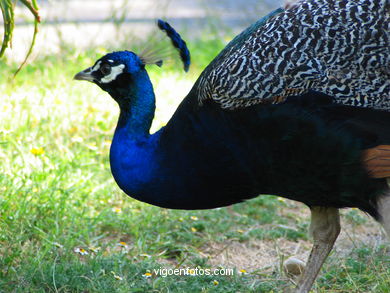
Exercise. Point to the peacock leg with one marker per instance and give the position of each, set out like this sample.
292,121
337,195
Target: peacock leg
384,209
324,227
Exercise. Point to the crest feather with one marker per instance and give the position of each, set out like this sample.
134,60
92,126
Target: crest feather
156,50
177,42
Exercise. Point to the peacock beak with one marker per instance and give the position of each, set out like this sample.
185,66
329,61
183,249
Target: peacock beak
85,75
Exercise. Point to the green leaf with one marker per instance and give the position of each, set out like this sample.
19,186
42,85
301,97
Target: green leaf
7,10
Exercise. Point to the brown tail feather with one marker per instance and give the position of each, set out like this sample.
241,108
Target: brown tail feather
377,161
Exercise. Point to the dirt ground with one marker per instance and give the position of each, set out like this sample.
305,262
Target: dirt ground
265,255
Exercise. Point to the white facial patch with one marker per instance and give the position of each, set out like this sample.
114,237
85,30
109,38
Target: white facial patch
96,67
115,71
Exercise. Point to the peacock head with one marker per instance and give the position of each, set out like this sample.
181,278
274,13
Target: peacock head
117,71
113,71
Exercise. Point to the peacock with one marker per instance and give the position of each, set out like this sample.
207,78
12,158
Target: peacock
297,105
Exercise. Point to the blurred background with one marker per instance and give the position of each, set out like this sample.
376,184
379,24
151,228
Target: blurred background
87,23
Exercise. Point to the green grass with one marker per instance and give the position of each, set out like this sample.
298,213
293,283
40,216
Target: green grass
57,195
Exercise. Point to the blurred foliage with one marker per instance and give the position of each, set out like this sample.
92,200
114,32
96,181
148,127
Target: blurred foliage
7,9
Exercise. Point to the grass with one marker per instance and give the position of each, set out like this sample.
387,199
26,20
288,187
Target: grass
57,197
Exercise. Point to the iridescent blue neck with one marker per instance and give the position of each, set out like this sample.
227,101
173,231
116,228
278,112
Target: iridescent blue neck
133,149
137,106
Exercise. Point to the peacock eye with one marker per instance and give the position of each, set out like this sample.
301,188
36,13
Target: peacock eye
105,69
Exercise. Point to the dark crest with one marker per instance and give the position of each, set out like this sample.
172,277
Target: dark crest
153,56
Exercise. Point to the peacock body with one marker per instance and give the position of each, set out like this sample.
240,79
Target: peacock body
297,105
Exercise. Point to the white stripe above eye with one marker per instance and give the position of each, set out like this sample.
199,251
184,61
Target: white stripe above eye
96,67
115,71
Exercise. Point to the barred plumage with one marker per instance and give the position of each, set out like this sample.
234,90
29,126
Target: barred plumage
340,48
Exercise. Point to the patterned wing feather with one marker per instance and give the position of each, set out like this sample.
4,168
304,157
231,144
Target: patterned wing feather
338,47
